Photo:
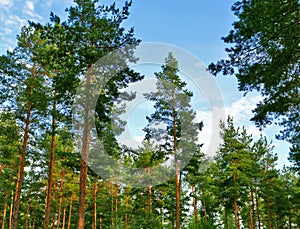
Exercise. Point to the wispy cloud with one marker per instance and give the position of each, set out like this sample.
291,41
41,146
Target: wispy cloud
29,10
6,3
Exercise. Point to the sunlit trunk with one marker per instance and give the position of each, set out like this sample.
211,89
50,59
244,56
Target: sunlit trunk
17,197
60,199
51,166
84,158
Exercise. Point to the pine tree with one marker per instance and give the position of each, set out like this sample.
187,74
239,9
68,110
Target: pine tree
172,122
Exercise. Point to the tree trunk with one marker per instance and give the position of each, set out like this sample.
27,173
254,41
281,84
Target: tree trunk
4,211
173,222
84,158
236,207
269,212
51,166
252,224
60,198
275,221
64,219
117,202
100,221
70,210
176,163
126,209
204,204
150,196
290,221
95,206
11,210
257,207
236,213
226,218
112,205
27,215
17,197
33,222
195,206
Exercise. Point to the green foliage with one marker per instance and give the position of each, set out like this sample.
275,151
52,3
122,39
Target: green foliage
264,56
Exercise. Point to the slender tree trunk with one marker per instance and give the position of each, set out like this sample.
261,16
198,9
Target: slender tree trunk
126,209
4,211
117,202
84,158
33,223
51,166
95,206
60,198
64,218
70,211
290,221
275,221
16,206
17,197
112,205
11,209
150,195
27,215
252,224
100,221
226,218
176,162
195,206
236,207
236,213
204,204
269,212
257,207
173,222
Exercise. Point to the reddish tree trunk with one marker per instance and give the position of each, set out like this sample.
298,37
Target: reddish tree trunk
269,212
16,205
4,211
64,218
17,197
252,225
95,206
51,166
84,159
195,207
70,211
60,198
257,208
11,210
27,216
204,204
176,163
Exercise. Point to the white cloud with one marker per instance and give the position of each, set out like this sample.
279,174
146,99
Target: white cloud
6,3
14,20
30,5
30,10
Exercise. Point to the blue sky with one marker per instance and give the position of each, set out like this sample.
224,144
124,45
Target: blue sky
194,25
